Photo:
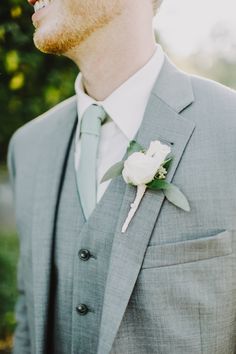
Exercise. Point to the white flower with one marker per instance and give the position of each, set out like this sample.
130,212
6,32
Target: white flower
157,149
140,168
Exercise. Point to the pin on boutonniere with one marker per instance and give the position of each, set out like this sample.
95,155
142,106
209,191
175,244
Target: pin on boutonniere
147,170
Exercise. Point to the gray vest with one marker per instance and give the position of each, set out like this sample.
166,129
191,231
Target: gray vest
80,266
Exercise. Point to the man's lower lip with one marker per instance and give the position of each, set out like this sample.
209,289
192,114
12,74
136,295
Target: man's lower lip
39,14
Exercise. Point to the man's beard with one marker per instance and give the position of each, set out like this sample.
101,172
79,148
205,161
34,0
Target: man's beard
61,38
57,42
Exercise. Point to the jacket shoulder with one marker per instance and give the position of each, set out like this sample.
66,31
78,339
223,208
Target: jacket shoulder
46,121
213,93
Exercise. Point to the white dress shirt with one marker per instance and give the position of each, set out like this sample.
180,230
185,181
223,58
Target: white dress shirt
125,108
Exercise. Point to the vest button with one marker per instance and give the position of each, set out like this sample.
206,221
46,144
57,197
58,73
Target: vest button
82,309
84,255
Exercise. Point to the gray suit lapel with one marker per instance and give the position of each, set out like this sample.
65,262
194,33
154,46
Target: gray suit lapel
171,94
55,146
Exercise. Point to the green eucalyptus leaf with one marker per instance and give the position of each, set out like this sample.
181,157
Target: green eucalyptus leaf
158,184
167,163
134,147
114,171
175,196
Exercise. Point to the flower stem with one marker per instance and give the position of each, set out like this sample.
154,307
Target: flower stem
134,206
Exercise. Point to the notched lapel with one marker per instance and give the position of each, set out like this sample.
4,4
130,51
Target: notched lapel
161,121
53,154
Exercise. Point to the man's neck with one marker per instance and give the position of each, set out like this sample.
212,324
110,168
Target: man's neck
112,55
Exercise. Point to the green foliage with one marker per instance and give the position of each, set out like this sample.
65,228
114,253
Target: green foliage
158,184
30,82
134,146
114,171
167,163
8,287
175,196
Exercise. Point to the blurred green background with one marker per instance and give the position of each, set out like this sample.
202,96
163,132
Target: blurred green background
32,82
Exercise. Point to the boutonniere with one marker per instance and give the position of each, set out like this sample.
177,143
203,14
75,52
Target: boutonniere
147,170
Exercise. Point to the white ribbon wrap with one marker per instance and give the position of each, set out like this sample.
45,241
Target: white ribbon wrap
141,188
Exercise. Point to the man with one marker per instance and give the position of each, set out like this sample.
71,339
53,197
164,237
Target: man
167,285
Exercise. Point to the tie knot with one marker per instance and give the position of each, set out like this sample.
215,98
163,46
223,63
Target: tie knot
92,119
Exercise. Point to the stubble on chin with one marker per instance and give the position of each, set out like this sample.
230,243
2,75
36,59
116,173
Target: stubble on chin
63,36
57,42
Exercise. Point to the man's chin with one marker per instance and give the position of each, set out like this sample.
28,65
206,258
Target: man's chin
60,40
49,44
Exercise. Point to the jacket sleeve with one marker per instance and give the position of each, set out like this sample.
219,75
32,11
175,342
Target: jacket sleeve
21,335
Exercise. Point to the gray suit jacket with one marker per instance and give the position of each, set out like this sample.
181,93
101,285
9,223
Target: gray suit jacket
171,282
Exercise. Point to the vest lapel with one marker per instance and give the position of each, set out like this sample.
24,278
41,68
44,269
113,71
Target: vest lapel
53,155
170,95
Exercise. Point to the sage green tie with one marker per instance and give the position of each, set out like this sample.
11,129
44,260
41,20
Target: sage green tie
90,128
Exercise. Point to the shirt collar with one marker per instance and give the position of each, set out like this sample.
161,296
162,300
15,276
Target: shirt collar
126,105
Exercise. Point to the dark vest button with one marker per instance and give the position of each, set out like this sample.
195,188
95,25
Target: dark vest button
84,255
82,309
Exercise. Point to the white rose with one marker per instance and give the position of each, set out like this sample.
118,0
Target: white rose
140,168
158,150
